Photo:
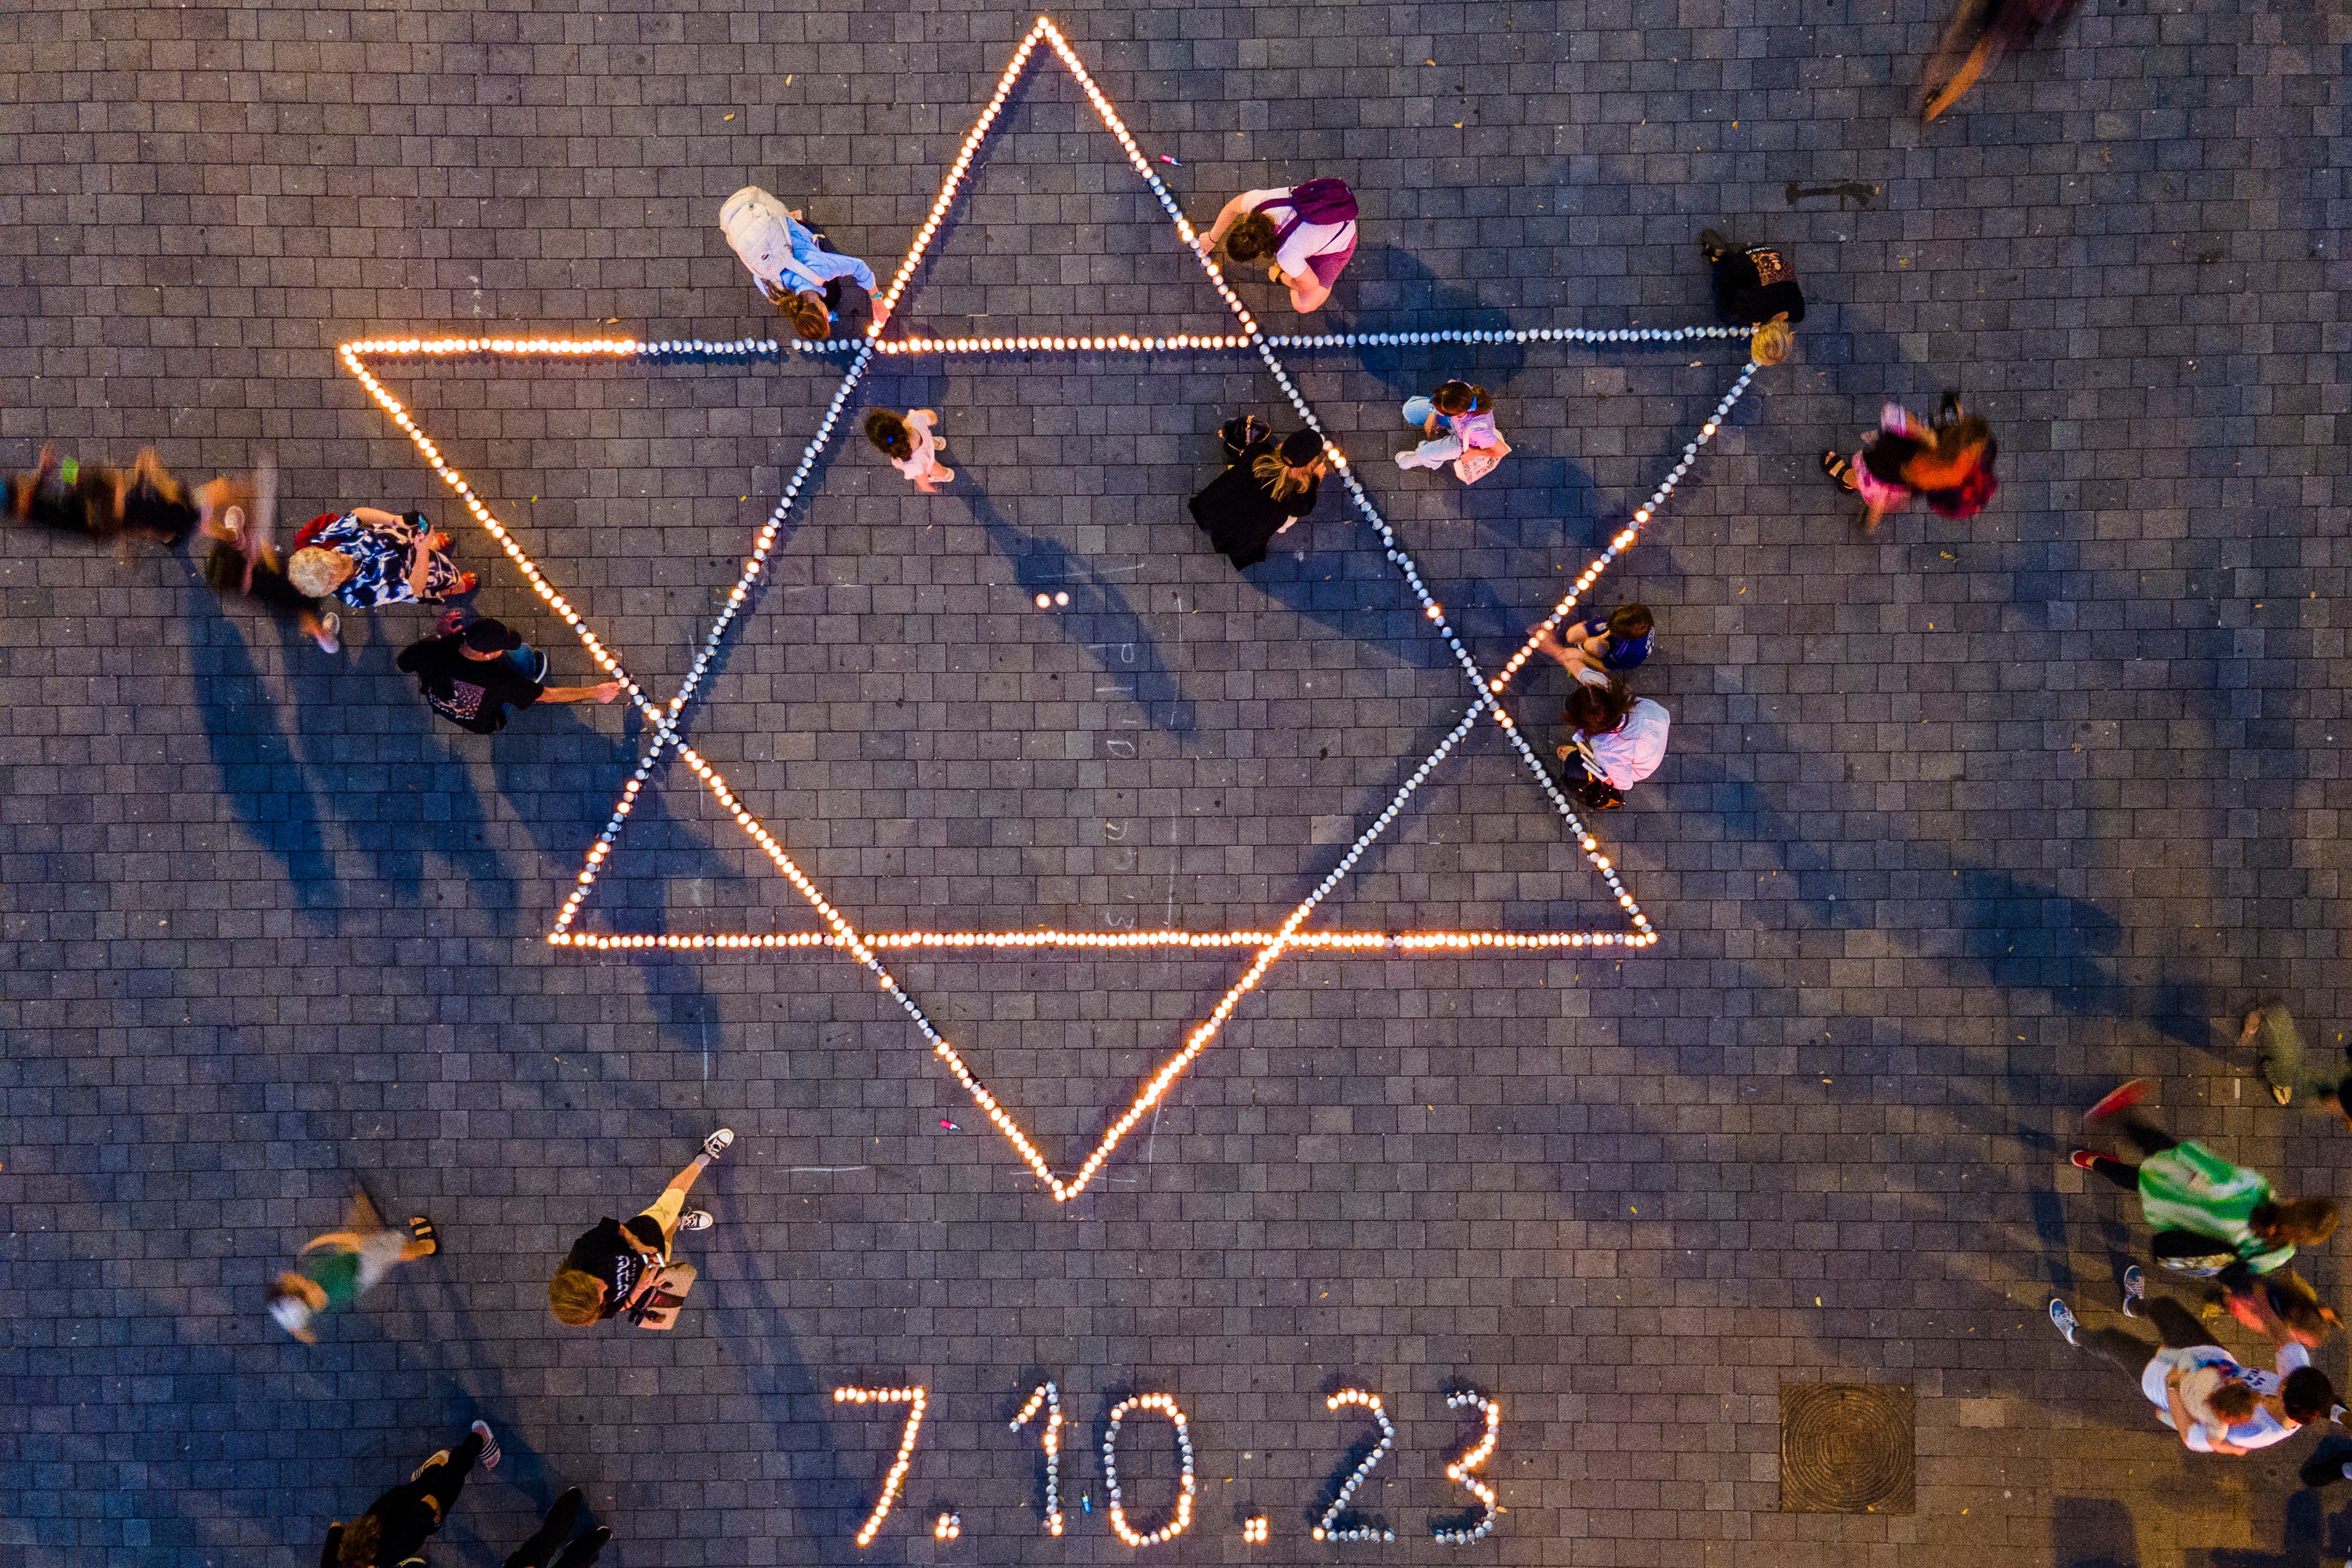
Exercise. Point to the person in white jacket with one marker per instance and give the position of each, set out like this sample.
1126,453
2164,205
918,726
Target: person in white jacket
789,262
1619,740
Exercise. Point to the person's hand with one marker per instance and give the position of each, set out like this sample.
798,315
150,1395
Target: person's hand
881,313
607,690
437,540
795,214
1561,751
1273,273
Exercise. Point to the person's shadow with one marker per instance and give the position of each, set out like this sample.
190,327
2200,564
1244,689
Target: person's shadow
260,777
553,758
1098,613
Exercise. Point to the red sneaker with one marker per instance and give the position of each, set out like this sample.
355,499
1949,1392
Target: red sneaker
2121,1099
2083,1159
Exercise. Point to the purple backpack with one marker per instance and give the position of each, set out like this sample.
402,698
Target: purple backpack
1325,201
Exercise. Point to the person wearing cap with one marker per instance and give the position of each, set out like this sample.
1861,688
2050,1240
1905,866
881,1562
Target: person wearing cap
339,1267
469,679
1266,486
796,270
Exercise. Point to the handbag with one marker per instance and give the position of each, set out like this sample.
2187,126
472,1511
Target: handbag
657,1306
1476,462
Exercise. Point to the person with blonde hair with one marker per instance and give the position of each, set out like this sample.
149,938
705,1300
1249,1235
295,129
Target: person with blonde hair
1267,485
368,557
611,1268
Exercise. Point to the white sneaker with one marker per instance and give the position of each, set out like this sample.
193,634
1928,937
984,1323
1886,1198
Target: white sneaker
719,1143
699,1219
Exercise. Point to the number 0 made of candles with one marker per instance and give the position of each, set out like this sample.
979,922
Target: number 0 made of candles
1182,1519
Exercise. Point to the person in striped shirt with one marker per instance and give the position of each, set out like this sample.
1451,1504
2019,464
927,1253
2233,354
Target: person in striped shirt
2210,1217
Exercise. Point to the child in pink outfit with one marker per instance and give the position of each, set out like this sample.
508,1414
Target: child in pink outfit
909,441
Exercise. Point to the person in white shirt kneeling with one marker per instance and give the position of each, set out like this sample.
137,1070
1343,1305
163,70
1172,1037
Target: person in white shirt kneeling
1618,739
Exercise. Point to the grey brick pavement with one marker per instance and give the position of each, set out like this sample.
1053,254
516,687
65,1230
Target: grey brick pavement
1959,822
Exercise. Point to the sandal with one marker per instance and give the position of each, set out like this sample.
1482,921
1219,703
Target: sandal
1840,468
421,1229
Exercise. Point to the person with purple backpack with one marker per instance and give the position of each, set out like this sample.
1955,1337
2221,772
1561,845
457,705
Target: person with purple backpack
1308,230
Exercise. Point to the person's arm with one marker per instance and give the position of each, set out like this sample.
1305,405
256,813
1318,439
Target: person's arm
1228,215
603,693
420,568
1307,291
1571,654
2183,1422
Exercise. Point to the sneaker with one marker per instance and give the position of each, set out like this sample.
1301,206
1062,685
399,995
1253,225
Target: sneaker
719,1143
2121,1098
699,1220
2134,1290
490,1452
2063,1317
421,1229
2085,1160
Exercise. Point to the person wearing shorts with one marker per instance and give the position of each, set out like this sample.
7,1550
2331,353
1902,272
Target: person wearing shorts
609,1267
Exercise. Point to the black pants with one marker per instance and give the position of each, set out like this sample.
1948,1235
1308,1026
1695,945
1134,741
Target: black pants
2144,1136
444,1475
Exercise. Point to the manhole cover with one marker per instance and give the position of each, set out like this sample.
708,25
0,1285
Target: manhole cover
1845,1447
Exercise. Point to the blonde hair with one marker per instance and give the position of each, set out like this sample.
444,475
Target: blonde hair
1771,343
575,1297
316,572
1281,480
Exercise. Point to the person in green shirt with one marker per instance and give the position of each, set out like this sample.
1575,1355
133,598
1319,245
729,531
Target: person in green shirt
2210,1217
338,1268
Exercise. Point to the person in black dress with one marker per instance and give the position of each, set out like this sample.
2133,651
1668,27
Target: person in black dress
1266,486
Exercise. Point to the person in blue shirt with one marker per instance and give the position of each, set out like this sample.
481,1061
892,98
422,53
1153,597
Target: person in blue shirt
1600,646
789,263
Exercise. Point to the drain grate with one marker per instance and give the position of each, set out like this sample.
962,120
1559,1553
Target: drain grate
1847,1448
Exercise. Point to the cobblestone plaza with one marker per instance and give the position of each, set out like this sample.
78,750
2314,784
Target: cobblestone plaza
1961,822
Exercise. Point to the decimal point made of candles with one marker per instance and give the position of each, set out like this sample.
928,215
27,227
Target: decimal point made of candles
667,718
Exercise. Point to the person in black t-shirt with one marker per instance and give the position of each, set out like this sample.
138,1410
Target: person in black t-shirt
396,1525
468,678
620,1260
1753,283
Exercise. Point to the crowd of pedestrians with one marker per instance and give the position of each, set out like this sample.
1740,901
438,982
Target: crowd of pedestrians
475,671
2221,1229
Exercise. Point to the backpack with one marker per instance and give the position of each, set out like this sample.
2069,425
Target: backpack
1322,200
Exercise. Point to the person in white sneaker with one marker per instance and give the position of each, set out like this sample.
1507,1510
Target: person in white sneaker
396,1525
610,1265
2212,1402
